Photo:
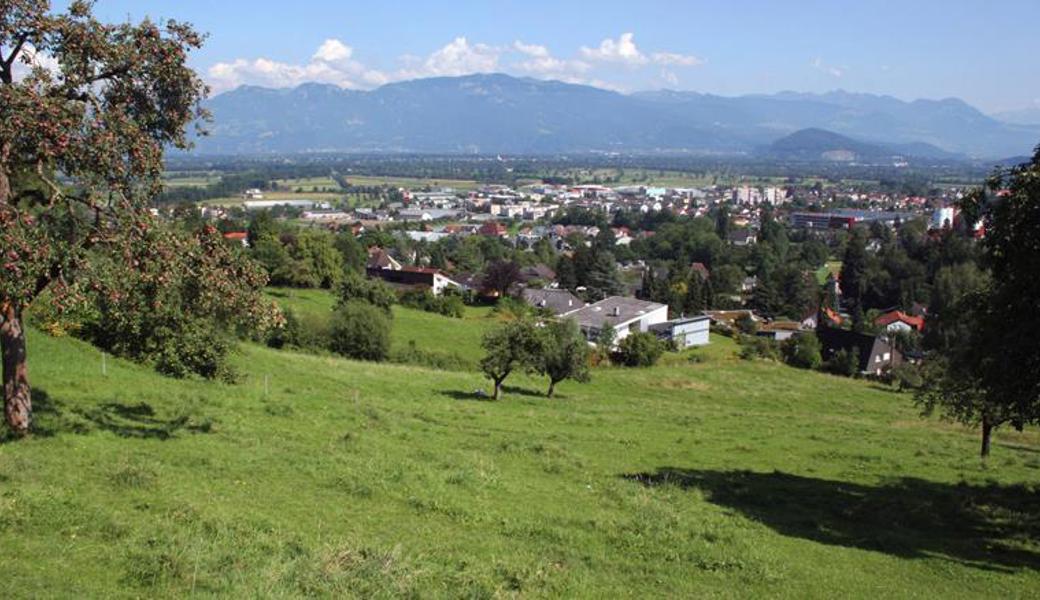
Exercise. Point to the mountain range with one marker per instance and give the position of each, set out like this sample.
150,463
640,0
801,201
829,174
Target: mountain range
497,113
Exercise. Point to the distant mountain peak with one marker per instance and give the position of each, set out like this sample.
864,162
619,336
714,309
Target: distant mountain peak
500,113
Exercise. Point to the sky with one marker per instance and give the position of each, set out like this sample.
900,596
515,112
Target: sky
986,53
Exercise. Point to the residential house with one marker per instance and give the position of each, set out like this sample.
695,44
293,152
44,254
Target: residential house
622,313
559,302
541,273
241,237
414,278
876,354
685,332
381,259
743,237
727,319
701,270
780,330
897,320
493,229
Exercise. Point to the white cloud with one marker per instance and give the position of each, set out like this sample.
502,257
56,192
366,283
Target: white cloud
458,57
30,58
622,50
669,77
332,63
677,60
333,51
832,70
533,50
540,62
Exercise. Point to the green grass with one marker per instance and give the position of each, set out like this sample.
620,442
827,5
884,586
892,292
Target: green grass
308,184
714,477
411,182
430,332
831,267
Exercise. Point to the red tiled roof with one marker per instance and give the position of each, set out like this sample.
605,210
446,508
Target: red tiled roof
236,235
899,316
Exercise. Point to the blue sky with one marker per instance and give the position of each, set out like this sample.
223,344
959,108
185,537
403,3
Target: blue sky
985,53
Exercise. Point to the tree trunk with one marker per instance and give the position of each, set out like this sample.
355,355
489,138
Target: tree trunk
498,389
17,395
552,388
987,432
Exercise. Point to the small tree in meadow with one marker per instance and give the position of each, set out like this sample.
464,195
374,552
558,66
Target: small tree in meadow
511,346
565,354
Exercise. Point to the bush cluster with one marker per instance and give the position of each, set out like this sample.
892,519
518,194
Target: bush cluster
639,349
449,304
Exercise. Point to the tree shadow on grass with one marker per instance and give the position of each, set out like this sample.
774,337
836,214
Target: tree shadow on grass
483,396
141,421
519,391
988,527
478,396
886,388
51,417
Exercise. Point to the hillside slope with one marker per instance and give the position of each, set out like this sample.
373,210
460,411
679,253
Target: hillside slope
717,477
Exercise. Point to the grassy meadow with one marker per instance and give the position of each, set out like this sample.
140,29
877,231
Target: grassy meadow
410,182
703,476
429,332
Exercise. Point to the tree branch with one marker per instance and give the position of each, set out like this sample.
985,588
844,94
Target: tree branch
5,65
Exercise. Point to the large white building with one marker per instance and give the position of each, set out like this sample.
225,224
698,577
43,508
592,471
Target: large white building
624,314
686,332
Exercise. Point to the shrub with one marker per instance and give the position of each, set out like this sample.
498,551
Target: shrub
802,351
512,308
309,332
906,377
372,291
755,347
639,349
288,335
197,349
843,363
444,361
449,305
360,330
746,324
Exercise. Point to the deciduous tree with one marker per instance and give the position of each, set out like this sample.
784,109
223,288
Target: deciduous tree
509,347
565,354
112,98
989,374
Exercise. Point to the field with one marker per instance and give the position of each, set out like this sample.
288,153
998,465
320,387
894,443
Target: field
704,476
192,179
410,182
308,184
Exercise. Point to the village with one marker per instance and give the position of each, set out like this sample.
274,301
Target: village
537,214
